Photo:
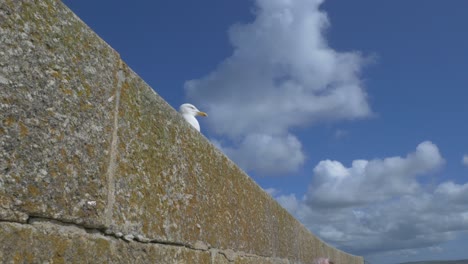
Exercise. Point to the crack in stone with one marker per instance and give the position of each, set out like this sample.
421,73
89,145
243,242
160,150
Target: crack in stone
101,231
229,254
41,219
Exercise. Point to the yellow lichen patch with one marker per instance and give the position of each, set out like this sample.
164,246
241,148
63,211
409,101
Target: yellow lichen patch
53,173
90,150
28,257
56,74
87,88
102,245
62,167
84,106
17,258
85,91
121,113
33,190
67,91
24,131
76,160
9,121
60,247
76,58
61,136
125,86
63,152
4,201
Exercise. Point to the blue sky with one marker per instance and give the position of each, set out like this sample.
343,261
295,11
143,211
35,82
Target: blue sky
352,114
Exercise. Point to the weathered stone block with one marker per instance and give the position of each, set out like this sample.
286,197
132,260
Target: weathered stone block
58,81
45,242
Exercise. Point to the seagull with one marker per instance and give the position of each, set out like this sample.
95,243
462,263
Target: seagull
189,112
322,261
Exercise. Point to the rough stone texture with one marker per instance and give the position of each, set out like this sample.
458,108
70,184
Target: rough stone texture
84,141
45,242
56,78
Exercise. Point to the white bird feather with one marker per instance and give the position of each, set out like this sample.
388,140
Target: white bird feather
189,112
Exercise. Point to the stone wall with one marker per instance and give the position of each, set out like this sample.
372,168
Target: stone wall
96,167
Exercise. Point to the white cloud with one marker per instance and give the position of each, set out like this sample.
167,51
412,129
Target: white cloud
340,133
455,193
290,202
268,154
282,74
380,205
465,160
375,180
272,191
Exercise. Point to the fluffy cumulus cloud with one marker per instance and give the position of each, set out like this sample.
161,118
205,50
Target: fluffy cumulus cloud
282,74
268,154
378,206
272,191
465,160
334,185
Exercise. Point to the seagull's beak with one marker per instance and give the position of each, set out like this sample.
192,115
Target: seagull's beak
202,114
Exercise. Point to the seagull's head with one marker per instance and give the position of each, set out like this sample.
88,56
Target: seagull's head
189,109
